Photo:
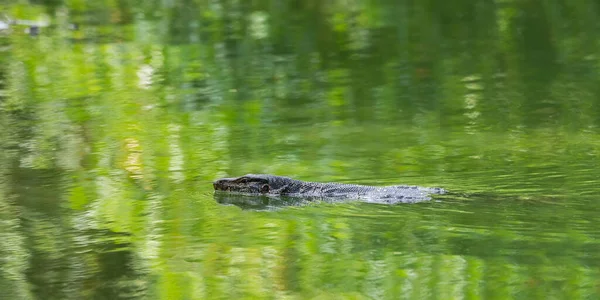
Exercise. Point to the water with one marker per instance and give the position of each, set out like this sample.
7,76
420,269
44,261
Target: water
116,118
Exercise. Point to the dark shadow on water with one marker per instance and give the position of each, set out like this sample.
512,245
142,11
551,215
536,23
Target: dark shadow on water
248,202
256,202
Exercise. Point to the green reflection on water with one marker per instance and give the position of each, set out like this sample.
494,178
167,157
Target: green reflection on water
115,118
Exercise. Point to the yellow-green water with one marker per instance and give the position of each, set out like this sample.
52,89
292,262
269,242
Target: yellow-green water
116,117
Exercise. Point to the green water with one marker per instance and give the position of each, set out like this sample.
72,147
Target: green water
117,115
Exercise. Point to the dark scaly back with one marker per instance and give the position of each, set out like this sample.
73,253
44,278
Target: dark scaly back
280,185
288,186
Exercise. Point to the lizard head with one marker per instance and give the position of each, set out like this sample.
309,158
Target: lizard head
247,184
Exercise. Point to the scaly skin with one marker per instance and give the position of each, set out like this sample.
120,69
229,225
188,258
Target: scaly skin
271,185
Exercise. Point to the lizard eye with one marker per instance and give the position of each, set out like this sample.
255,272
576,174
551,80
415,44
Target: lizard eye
264,188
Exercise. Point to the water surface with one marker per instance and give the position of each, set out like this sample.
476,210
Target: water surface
116,117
